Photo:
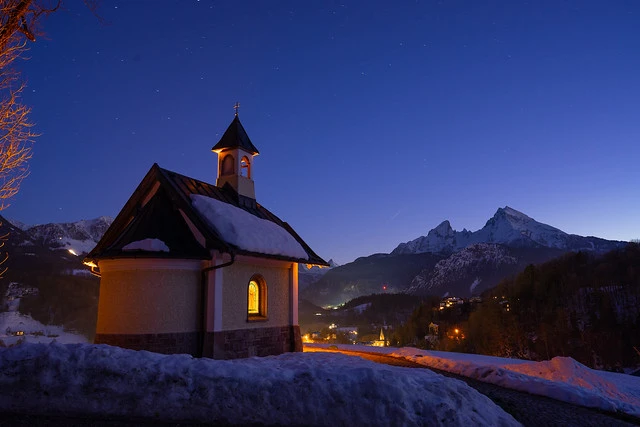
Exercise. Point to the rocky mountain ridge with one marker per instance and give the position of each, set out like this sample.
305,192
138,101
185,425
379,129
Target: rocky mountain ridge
462,263
80,236
507,227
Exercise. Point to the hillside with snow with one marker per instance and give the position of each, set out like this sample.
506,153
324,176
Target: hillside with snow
16,327
476,268
80,236
67,293
311,274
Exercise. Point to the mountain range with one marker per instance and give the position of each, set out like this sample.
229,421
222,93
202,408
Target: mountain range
444,262
448,262
507,227
79,237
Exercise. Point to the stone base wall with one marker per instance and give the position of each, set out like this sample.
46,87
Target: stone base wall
241,343
217,345
171,343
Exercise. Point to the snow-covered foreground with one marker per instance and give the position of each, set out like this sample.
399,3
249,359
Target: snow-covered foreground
561,378
298,388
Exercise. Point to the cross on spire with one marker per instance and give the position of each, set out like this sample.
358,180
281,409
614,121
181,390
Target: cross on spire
236,107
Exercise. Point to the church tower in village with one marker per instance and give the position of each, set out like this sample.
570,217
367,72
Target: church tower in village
235,159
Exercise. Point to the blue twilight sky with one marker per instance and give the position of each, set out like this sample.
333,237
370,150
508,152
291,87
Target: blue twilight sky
375,120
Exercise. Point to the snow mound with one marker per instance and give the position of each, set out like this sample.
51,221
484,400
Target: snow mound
147,245
292,389
247,231
561,378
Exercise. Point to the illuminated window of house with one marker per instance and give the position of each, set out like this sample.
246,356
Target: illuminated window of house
227,167
257,298
245,167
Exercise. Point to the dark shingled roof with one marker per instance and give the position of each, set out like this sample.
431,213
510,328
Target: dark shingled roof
164,216
236,137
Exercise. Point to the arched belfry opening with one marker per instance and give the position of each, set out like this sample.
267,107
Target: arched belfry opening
236,153
245,167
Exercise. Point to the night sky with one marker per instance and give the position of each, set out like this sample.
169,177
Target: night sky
375,120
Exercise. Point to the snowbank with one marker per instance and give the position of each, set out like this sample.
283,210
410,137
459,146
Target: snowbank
295,388
561,378
247,231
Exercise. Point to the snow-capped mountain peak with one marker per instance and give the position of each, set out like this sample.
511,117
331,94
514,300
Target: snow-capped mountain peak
443,238
444,229
508,226
80,236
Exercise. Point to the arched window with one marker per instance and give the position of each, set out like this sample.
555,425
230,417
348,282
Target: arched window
245,167
254,298
257,298
227,167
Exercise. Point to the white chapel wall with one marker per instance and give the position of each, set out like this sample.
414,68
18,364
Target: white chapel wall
234,294
144,296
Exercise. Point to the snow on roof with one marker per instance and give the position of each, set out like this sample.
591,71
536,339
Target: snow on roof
148,245
291,389
246,231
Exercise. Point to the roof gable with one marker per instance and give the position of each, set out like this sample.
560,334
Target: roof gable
236,137
165,197
159,219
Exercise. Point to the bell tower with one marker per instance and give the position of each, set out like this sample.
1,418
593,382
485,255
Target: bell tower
235,159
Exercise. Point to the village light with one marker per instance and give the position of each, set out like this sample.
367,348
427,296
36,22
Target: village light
72,252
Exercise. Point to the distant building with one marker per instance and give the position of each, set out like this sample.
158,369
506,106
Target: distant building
450,302
191,267
382,341
351,332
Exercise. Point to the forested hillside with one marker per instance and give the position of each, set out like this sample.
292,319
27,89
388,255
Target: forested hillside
579,305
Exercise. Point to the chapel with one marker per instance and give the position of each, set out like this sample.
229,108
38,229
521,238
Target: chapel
203,269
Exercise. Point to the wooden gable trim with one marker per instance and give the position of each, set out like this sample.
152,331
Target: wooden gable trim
197,234
127,213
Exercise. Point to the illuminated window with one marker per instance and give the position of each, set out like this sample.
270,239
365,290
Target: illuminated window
254,298
245,167
257,298
227,167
